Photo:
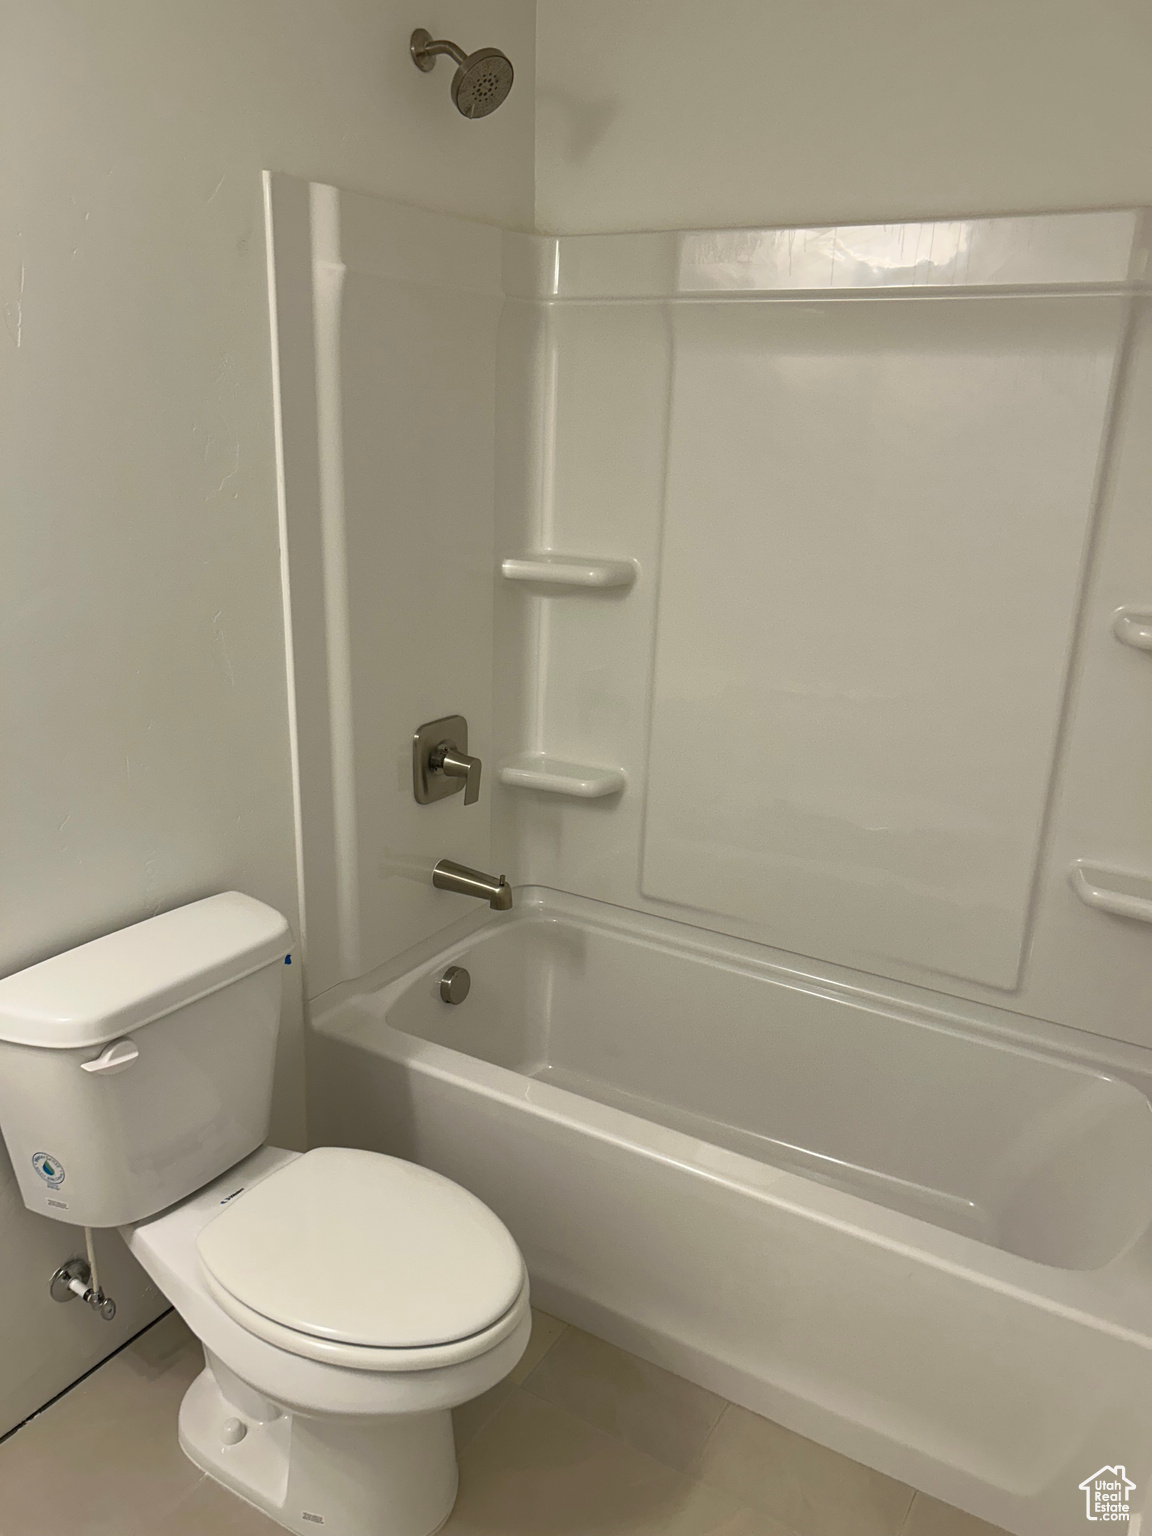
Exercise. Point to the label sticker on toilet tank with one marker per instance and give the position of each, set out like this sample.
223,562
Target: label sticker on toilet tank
50,1169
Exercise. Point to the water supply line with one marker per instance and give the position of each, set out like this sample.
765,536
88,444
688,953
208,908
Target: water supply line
90,1246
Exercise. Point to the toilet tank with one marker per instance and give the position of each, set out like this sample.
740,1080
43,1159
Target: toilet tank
138,1067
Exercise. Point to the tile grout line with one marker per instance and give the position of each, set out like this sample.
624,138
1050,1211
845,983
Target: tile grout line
685,1478
912,1492
707,1441
564,1327
685,1472
693,1477
907,1512
513,1388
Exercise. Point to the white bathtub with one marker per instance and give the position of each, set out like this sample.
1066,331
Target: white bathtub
906,1234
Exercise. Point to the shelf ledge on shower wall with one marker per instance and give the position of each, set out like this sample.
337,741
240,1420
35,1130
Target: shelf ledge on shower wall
1118,891
550,570
534,770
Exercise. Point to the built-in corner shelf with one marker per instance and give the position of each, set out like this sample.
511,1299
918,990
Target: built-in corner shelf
1112,890
550,570
1133,626
534,770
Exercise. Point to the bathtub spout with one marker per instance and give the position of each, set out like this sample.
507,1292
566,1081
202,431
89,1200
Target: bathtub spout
493,889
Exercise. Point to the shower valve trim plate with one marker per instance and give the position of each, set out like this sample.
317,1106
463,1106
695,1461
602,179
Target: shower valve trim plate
440,762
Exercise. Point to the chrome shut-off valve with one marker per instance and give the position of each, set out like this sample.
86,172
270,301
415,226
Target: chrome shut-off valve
75,1279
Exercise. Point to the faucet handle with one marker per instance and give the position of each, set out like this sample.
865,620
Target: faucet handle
446,759
441,765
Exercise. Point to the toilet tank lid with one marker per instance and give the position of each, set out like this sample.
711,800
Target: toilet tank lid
102,989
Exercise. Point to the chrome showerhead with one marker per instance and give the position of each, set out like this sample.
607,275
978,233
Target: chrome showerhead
482,80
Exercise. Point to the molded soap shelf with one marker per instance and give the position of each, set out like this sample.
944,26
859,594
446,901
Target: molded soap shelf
1133,626
548,569
1117,891
534,770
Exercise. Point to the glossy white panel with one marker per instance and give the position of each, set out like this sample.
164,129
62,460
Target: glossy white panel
420,365
389,520
596,484
531,265
596,481
1084,964
1107,249
1069,249
874,536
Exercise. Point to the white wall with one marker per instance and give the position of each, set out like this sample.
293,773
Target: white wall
146,750
743,112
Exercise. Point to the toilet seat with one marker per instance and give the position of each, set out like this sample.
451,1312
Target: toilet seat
166,1246
358,1259
365,1357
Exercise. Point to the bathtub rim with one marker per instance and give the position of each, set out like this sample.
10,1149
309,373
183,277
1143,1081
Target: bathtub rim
1026,1033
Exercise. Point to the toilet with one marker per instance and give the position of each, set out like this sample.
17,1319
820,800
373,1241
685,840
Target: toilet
346,1301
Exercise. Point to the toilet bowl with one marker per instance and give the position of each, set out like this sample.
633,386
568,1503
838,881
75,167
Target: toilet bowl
346,1302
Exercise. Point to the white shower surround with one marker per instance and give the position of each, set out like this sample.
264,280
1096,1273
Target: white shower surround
512,487
862,503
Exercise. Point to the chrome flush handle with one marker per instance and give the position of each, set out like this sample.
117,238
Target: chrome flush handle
446,759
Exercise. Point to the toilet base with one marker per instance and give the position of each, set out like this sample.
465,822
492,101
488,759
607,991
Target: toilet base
380,1476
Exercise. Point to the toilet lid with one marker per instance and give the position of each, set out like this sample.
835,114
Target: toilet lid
364,1249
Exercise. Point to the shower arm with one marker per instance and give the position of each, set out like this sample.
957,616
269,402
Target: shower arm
440,45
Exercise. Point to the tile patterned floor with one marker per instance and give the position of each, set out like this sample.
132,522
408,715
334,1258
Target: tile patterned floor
581,1440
